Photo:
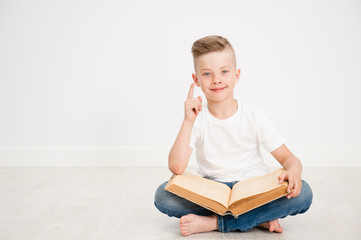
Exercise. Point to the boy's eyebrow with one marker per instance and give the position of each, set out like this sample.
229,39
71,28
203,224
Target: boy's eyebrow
211,69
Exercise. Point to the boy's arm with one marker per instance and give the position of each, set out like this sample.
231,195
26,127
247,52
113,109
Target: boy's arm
293,168
181,151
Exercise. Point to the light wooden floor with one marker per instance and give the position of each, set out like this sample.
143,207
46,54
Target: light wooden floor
117,203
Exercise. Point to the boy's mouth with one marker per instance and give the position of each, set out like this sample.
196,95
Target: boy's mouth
218,89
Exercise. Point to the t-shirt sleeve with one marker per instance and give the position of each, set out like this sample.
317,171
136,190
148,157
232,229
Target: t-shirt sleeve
267,134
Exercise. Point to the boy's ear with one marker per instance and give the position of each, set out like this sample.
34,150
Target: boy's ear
238,74
195,79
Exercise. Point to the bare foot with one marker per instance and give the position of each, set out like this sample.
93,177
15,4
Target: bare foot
191,223
272,226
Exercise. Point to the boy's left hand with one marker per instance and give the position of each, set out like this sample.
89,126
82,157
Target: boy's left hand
294,182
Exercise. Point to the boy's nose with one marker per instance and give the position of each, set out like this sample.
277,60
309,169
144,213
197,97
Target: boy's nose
216,80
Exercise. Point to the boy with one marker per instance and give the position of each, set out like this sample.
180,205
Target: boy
227,136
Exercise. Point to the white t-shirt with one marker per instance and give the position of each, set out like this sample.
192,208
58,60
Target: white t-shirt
229,149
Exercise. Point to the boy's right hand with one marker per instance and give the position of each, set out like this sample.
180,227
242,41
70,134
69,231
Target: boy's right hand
192,105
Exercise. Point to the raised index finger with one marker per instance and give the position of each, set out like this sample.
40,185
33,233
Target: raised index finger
190,93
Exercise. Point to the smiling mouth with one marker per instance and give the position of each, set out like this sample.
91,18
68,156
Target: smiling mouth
218,89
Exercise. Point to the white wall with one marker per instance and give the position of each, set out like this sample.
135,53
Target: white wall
116,73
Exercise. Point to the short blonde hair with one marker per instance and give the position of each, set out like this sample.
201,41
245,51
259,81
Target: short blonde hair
212,43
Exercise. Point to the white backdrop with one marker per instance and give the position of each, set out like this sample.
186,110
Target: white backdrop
116,73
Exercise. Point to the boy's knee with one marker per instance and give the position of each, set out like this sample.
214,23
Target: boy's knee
306,195
159,195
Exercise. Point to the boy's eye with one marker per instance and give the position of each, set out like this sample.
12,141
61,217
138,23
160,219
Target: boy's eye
206,74
225,71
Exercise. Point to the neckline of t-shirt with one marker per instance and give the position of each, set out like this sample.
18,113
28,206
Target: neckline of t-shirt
224,121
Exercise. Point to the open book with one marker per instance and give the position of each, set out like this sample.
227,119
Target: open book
221,199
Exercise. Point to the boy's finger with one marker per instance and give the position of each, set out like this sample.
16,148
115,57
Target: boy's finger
200,103
196,111
291,185
294,193
190,93
282,177
289,189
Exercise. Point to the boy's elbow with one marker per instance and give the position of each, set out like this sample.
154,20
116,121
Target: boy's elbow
176,169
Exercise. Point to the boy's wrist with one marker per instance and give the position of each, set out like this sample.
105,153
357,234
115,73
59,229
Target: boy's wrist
187,122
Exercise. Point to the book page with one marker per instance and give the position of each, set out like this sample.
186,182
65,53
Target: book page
256,185
216,191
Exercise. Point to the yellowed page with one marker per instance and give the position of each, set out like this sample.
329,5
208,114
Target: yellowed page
256,185
216,191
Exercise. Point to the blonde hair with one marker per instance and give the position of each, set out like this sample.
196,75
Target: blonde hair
212,43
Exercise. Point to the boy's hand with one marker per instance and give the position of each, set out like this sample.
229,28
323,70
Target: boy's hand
192,106
294,182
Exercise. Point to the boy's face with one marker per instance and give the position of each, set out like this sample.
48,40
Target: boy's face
217,75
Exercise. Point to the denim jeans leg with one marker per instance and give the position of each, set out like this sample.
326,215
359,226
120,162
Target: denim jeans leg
279,208
175,206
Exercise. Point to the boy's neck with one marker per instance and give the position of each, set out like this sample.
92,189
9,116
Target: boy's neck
223,110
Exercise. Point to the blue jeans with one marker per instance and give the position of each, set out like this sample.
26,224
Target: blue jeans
175,206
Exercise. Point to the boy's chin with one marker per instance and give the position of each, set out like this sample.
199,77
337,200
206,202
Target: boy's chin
218,99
